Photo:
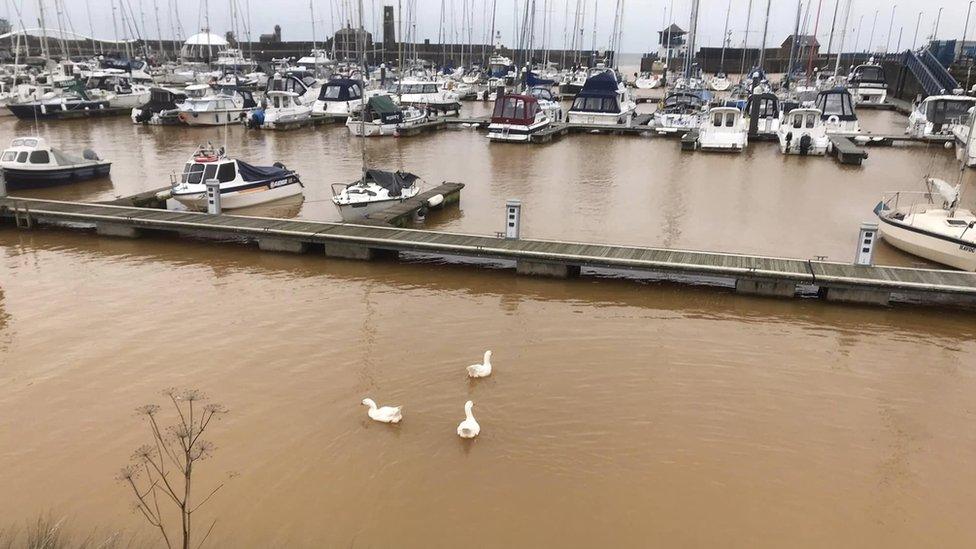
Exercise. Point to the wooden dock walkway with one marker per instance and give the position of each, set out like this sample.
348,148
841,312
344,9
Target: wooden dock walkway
846,151
756,275
402,212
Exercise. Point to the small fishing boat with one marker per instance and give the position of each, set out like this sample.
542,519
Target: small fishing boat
837,110
723,130
163,108
603,101
868,84
30,162
803,132
939,115
338,97
280,110
930,224
516,117
205,106
680,111
376,191
241,184
384,117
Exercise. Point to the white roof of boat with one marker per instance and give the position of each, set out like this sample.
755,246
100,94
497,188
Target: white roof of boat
205,39
29,142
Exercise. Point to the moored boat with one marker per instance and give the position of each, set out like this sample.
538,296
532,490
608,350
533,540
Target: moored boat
803,132
375,192
241,184
30,162
381,116
516,118
163,108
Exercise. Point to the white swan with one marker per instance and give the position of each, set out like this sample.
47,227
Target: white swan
386,414
468,428
481,370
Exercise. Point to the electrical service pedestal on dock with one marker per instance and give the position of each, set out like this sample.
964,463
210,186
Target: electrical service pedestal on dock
865,244
513,218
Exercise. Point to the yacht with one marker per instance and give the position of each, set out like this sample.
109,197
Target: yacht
722,130
516,117
205,106
162,109
930,224
803,132
232,60
375,192
30,162
679,112
280,110
548,102
603,101
837,110
382,116
338,97
241,184
868,83
647,81
939,115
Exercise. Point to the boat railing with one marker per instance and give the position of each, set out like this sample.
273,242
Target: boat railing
908,202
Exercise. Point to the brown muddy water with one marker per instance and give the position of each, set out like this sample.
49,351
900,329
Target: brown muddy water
620,413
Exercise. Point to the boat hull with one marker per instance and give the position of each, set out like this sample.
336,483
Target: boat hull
29,179
357,211
55,111
231,199
214,118
940,249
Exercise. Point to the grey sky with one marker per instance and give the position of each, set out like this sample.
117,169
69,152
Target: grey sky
641,20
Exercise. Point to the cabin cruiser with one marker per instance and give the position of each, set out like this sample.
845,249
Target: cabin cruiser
117,90
70,102
930,224
375,192
30,162
939,115
317,61
868,84
647,81
603,101
722,130
516,117
205,106
382,116
427,93
307,88
241,184
232,60
837,111
338,97
501,71
280,110
803,132
719,82
162,109
548,102
762,115
679,112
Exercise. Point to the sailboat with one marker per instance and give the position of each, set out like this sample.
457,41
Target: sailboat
931,224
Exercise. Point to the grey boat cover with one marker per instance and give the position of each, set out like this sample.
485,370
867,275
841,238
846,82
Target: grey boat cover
261,173
65,160
394,182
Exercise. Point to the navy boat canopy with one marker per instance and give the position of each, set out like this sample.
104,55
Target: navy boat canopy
531,80
261,173
341,89
394,182
600,85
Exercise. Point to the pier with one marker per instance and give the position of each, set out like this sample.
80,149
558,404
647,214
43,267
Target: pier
747,274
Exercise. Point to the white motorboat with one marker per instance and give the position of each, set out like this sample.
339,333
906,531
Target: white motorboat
720,82
281,110
30,162
803,132
375,192
837,110
516,117
428,93
868,84
338,97
679,112
384,117
647,81
118,90
548,102
723,130
939,115
205,106
162,109
965,144
603,101
930,225
232,60
241,184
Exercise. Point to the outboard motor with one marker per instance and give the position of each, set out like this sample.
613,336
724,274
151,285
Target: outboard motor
89,154
805,142
144,116
256,120
789,140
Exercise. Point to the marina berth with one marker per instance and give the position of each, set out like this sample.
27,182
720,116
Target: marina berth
763,115
603,101
241,184
803,132
30,162
162,109
516,118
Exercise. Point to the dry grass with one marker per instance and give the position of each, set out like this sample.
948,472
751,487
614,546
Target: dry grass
46,532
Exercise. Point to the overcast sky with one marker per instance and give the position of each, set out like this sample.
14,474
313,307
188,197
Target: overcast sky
642,18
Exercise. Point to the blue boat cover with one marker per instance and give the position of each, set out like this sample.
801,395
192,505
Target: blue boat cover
340,89
600,85
261,173
532,80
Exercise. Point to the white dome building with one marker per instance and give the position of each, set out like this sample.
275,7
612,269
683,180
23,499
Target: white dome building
203,47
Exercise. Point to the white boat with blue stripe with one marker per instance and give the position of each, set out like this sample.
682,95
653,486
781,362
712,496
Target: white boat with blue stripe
241,184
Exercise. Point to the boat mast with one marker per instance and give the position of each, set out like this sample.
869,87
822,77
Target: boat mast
816,25
311,14
745,42
843,36
796,31
725,37
762,50
693,29
44,50
361,32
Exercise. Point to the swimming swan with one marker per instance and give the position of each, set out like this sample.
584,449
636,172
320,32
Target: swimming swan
386,414
481,370
468,428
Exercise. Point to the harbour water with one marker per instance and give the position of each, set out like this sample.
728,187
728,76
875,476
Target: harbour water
620,413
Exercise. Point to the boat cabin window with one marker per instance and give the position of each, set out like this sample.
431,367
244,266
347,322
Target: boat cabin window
869,73
226,172
957,223
811,120
836,103
717,120
514,107
209,172
24,142
40,157
8,156
942,111
595,104
22,157
729,119
193,173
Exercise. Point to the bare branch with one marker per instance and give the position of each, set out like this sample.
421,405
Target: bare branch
210,495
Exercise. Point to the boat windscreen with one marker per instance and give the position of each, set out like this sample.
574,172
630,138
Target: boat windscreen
836,103
941,111
870,74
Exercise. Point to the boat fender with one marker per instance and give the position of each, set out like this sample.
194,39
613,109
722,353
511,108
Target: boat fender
833,119
164,195
435,200
948,145
805,142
